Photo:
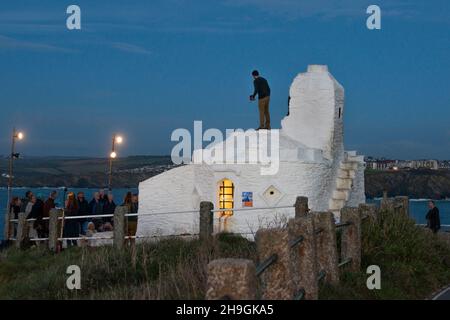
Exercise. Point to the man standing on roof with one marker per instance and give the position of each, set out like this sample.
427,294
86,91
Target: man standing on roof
262,89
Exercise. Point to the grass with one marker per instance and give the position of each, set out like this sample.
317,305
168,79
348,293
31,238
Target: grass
414,263
170,269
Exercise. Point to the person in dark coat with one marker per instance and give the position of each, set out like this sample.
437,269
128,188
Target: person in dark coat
48,206
433,218
37,212
96,208
50,203
25,201
71,226
14,209
83,210
109,208
103,197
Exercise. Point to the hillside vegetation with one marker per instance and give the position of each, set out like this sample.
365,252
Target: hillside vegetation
417,184
84,172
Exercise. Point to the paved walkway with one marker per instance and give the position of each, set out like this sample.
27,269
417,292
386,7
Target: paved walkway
444,295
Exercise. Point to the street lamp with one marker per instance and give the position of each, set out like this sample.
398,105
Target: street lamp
16,135
113,155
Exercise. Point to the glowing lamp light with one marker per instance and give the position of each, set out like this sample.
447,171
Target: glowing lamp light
20,135
113,155
119,139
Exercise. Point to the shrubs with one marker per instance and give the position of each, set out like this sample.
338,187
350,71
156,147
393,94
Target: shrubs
413,262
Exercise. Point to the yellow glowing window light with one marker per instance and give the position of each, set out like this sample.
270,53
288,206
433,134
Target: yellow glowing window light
226,196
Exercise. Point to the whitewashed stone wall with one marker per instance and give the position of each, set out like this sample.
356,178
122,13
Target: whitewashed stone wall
311,151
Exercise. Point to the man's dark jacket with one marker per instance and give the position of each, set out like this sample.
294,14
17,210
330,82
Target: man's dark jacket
49,205
433,220
262,88
37,211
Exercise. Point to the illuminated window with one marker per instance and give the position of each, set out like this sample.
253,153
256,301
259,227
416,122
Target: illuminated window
226,196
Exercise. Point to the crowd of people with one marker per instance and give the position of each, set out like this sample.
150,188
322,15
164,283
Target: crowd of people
101,204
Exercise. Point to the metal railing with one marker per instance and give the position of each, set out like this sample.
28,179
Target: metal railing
128,215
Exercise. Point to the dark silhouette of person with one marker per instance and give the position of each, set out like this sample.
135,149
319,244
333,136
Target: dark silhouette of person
433,218
262,89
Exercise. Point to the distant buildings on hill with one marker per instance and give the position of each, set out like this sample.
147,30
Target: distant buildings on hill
388,164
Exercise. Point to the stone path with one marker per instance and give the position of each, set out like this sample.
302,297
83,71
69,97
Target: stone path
444,295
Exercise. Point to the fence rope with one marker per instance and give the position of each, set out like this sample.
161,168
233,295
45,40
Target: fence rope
300,295
266,264
343,224
293,243
322,275
86,238
153,213
39,239
345,262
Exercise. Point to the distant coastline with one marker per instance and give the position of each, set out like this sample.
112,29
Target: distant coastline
72,172
417,184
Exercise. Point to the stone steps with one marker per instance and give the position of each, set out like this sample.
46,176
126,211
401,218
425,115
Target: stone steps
341,194
349,165
337,215
337,204
359,159
346,174
344,182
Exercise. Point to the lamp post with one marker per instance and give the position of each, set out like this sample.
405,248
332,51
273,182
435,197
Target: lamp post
113,155
16,135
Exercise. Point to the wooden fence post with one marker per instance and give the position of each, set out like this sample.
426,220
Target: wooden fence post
206,227
54,228
326,245
369,211
22,230
387,204
301,207
275,269
7,226
402,205
232,279
351,237
302,240
120,225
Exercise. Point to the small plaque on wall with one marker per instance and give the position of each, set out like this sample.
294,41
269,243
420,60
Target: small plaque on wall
247,199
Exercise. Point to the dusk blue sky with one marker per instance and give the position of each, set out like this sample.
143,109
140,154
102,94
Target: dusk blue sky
145,68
